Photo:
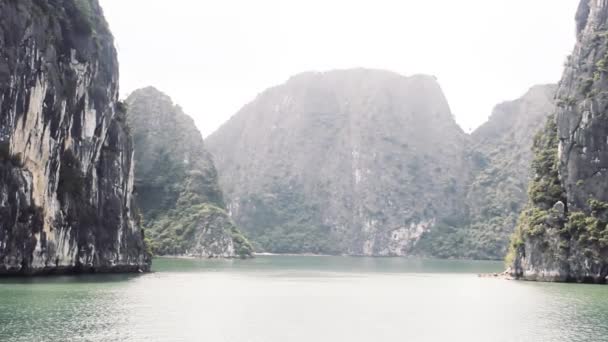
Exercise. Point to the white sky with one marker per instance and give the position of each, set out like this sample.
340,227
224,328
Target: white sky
213,57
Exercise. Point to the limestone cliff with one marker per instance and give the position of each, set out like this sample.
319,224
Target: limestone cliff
66,171
177,185
562,234
358,162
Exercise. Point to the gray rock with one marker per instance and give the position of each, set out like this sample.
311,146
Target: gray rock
560,209
66,174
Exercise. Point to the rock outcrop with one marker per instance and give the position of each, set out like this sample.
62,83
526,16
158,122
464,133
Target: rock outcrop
66,171
562,234
177,185
358,162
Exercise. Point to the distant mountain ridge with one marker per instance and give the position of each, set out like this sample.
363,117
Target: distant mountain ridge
367,162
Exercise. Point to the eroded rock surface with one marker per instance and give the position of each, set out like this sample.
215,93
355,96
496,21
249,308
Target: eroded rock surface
66,171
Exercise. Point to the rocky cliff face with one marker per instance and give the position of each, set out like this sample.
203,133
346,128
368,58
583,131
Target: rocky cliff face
177,187
359,162
499,157
66,171
562,234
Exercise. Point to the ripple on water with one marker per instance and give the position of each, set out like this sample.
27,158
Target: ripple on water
296,300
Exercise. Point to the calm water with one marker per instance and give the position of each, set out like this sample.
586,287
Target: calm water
284,299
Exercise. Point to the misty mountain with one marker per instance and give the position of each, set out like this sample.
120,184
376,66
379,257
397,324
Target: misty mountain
369,162
359,162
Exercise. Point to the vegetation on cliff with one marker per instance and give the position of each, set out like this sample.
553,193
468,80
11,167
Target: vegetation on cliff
545,190
562,235
181,203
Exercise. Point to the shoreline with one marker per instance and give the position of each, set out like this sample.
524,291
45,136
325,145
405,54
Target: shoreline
294,254
264,254
502,275
237,258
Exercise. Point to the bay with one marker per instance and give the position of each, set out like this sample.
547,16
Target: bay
301,298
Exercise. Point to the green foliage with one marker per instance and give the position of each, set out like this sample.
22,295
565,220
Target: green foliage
176,231
601,66
589,229
485,239
597,206
566,102
533,222
176,183
287,222
150,246
516,244
179,203
242,246
546,189
295,238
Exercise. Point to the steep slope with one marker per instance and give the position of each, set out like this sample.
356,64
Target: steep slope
562,234
65,153
176,181
359,162
500,156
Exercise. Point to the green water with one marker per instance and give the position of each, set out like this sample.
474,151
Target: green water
284,299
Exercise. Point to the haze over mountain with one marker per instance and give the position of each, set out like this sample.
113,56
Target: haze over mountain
369,162
265,42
